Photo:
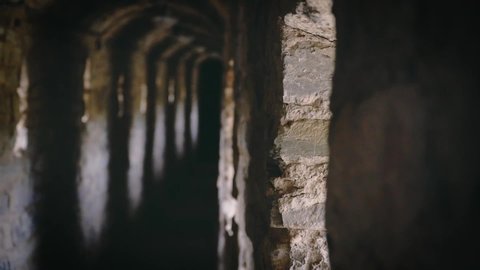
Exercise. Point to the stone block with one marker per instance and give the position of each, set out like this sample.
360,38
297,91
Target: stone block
303,139
294,112
314,17
300,196
309,250
308,75
311,217
301,177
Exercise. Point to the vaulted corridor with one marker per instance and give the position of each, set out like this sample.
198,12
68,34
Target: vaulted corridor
238,134
159,234
123,120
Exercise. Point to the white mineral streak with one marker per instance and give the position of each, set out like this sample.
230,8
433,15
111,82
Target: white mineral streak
194,113
21,139
180,111
228,203
160,130
244,242
92,193
136,154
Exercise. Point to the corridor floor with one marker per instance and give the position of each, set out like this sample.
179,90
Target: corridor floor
175,228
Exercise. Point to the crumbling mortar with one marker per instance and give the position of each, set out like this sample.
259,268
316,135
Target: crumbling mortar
313,34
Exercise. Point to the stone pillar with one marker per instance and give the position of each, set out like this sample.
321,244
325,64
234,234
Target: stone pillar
194,109
16,230
175,97
181,95
299,194
93,184
282,118
189,71
138,130
151,72
161,84
55,63
119,125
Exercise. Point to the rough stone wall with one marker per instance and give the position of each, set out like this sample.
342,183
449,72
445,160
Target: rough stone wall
301,149
284,65
15,187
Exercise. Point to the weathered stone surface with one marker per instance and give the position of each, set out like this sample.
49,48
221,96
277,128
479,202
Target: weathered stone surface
306,138
305,217
15,199
307,75
299,194
314,17
297,112
301,176
299,249
309,250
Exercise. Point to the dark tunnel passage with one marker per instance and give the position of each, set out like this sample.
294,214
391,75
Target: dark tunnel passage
179,213
133,182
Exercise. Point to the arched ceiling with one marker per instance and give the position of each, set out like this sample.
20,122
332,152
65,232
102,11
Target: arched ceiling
151,22
104,20
105,23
